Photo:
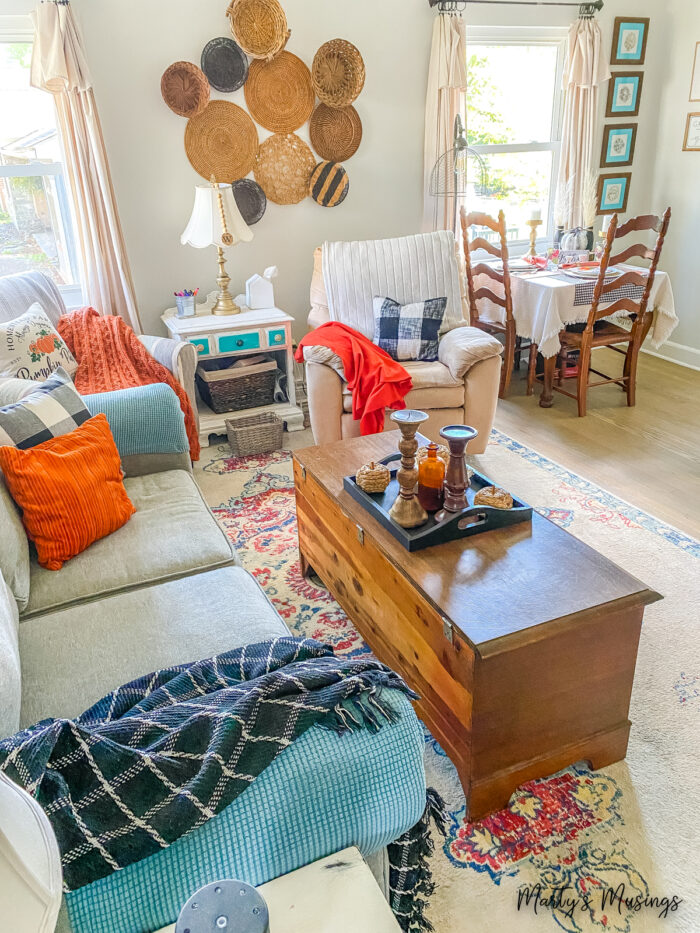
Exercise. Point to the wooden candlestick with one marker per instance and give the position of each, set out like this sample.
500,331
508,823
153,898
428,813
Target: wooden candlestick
456,436
533,225
407,510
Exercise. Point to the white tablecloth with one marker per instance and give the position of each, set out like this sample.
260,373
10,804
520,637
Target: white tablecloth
543,305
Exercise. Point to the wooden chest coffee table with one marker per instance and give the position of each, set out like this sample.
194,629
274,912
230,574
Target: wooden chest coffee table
521,642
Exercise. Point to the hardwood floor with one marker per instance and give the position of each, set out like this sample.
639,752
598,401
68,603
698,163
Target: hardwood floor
648,455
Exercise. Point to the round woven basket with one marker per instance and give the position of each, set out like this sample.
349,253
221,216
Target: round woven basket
283,168
335,134
259,26
338,73
225,64
279,93
329,184
185,89
250,200
221,141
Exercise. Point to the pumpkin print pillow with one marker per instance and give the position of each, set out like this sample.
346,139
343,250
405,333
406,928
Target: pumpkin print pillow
32,348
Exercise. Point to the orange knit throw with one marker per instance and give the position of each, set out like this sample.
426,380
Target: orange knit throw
110,356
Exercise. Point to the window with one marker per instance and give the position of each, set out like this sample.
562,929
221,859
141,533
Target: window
514,124
36,231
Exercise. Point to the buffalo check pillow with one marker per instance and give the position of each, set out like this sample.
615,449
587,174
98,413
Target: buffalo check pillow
52,409
408,332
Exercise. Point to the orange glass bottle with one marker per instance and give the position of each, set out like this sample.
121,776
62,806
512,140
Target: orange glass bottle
431,480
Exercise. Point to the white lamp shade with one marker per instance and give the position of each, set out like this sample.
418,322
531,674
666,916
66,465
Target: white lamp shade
30,864
205,227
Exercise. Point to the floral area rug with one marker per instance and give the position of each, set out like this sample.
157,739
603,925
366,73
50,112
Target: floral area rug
612,850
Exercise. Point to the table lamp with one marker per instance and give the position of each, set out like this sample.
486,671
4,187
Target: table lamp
216,221
30,864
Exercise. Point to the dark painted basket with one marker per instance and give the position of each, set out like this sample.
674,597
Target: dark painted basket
250,200
225,64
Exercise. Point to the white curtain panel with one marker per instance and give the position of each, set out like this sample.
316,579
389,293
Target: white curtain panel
585,69
59,66
445,98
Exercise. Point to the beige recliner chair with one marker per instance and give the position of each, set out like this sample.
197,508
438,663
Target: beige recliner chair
461,387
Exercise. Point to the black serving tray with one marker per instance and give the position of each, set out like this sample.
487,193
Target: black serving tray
470,521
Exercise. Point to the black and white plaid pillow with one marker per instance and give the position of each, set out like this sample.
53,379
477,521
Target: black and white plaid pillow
409,332
48,411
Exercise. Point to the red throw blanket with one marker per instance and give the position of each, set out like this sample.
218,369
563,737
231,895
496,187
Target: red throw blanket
110,356
377,382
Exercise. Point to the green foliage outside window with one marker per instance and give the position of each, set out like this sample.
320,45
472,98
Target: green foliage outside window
485,126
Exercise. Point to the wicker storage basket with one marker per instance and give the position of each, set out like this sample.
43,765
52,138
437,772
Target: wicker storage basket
256,434
235,389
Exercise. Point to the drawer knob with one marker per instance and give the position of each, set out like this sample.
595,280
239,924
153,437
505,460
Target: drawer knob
278,338
199,347
239,343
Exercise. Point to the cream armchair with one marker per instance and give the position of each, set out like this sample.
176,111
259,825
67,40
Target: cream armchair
461,387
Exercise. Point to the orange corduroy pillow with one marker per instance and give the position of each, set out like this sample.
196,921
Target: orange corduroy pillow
70,490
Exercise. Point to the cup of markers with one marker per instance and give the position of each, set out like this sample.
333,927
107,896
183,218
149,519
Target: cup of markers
185,302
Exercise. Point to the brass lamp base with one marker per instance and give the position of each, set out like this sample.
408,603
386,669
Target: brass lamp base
224,302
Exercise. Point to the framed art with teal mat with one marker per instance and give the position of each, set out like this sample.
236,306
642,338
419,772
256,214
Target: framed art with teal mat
629,44
618,144
613,191
624,92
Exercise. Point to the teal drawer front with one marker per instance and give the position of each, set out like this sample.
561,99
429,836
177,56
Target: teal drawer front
232,343
201,345
276,338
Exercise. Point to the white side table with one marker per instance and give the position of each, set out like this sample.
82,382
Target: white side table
337,894
239,335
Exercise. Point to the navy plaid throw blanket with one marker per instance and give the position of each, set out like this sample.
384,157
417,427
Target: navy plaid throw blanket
165,753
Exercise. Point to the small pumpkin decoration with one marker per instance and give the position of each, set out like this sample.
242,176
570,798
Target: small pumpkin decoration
494,496
373,477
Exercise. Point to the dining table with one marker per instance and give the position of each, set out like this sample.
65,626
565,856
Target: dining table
545,301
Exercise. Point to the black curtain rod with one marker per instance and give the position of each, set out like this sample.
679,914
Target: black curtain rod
452,6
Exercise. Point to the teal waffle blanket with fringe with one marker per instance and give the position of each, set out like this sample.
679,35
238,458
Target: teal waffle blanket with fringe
162,755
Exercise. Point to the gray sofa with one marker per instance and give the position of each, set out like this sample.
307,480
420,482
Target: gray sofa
162,590
165,589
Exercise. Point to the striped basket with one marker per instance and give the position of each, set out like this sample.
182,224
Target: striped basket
329,184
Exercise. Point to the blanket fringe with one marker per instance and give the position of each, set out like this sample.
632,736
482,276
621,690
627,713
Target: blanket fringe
410,878
362,711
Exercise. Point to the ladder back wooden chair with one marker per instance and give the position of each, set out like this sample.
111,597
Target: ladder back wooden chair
599,333
513,345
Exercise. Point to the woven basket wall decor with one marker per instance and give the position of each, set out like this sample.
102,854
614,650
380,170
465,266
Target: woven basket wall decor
329,184
338,73
279,93
185,89
221,141
335,134
250,200
283,168
259,27
225,64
